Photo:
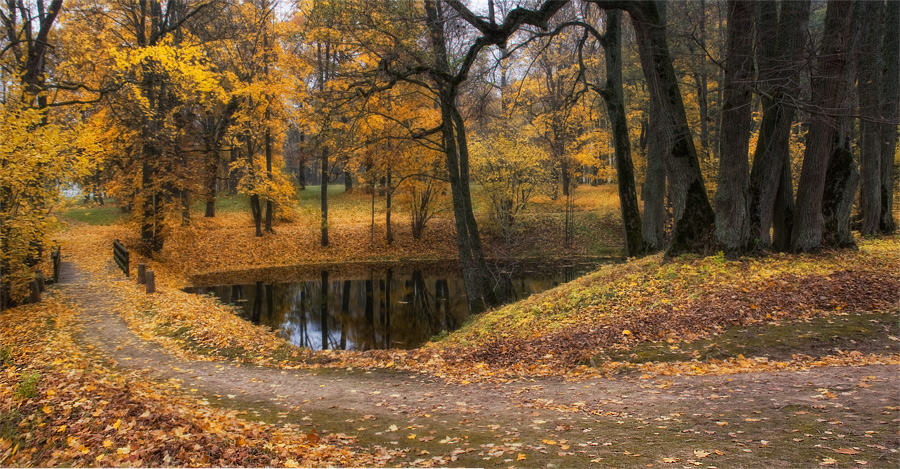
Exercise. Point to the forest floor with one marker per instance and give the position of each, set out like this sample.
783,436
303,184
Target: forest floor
156,408
784,360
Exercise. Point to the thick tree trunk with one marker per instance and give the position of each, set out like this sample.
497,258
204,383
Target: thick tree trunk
870,73
827,96
614,97
324,196
890,113
841,181
693,215
780,43
485,279
733,191
654,190
468,241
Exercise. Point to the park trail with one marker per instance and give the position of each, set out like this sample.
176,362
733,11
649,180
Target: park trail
416,419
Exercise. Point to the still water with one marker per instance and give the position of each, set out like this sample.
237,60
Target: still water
373,307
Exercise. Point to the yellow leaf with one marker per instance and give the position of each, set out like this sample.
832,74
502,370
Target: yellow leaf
670,460
548,442
520,457
117,424
626,332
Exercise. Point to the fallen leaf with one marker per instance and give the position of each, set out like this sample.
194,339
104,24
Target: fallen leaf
846,451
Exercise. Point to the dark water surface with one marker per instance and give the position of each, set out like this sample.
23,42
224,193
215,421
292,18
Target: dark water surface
374,306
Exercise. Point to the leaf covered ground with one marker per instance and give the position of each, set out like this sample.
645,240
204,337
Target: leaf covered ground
564,331
645,322
62,405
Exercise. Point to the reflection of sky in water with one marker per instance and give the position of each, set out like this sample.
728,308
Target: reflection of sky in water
387,309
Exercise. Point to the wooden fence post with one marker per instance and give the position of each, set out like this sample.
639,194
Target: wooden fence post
142,273
151,281
39,277
57,262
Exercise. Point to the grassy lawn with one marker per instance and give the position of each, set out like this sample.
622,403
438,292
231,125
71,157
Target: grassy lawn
92,214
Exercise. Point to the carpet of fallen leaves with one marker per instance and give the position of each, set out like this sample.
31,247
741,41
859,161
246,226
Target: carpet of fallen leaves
62,406
551,333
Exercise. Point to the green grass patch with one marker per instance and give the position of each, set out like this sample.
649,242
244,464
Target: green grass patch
225,203
108,214
869,332
6,355
27,387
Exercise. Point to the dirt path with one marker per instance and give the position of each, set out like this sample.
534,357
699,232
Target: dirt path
779,419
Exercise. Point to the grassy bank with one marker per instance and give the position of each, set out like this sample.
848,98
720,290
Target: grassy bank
623,307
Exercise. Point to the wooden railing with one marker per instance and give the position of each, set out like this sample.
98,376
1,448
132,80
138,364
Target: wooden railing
120,255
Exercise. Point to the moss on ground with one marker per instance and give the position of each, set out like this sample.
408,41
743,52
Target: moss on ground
869,332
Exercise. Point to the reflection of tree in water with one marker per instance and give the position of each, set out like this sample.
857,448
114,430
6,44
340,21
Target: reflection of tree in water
323,311
345,313
380,311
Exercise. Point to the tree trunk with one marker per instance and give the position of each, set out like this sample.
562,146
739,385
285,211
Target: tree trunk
827,91
474,268
841,181
780,41
324,196
256,211
693,215
732,193
701,79
890,113
348,181
389,236
654,190
301,173
255,207
869,69
614,97
270,204
212,178
843,174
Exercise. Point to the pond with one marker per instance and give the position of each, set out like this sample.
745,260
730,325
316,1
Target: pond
370,306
